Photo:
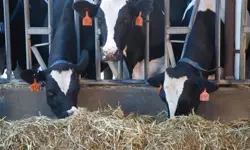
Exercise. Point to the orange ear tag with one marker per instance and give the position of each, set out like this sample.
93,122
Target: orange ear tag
159,89
139,20
87,21
204,96
35,87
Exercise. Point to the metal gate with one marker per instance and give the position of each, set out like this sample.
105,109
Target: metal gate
240,42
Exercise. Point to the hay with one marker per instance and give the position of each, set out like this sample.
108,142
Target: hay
109,129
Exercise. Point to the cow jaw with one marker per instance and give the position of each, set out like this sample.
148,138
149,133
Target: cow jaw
62,78
173,88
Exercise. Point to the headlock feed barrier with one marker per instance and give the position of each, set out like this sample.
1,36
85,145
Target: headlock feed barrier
235,24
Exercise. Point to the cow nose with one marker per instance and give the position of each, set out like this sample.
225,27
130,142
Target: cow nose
72,111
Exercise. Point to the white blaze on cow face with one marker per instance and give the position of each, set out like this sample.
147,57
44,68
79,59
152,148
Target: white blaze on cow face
173,88
62,79
156,66
111,9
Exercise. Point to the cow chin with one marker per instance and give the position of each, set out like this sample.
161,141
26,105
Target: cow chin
61,107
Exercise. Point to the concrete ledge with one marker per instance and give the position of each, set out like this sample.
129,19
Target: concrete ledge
227,103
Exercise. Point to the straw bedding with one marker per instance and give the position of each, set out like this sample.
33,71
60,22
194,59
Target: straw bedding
110,129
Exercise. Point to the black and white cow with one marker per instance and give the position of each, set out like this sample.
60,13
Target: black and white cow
183,84
62,75
127,34
38,9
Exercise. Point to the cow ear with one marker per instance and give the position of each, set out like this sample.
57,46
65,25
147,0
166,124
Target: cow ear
81,6
83,62
157,80
204,84
30,74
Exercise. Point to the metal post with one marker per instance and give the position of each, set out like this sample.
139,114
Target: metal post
218,37
97,48
146,60
191,23
243,41
27,36
50,22
237,38
229,39
7,38
120,68
167,25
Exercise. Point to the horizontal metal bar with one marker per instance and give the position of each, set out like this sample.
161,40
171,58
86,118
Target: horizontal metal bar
178,30
113,82
232,82
177,41
246,29
39,31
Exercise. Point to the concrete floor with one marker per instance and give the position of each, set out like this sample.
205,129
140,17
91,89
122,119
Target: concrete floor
226,104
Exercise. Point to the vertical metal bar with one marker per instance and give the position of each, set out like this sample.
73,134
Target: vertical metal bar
7,38
190,25
146,60
27,36
238,15
97,49
77,29
167,25
120,68
229,38
243,41
217,37
50,21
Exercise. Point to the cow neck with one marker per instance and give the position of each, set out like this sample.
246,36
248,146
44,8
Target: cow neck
14,13
64,42
200,50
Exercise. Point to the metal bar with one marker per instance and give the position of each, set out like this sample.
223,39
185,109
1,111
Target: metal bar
190,25
178,30
38,57
237,38
167,25
171,54
120,69
97,48
229,38
27,36
77,29
7,38
50,22
218,37
146,60
39,31
243,42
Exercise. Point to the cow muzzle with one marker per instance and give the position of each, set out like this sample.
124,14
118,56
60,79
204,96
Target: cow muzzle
72,111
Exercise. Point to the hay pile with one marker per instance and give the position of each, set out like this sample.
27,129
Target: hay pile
109,129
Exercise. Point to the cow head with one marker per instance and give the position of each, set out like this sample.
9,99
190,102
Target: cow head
62,84
182,91
125,27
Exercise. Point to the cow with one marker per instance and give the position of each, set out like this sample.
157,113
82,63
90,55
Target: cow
183,84
61,78
38,10
127,34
